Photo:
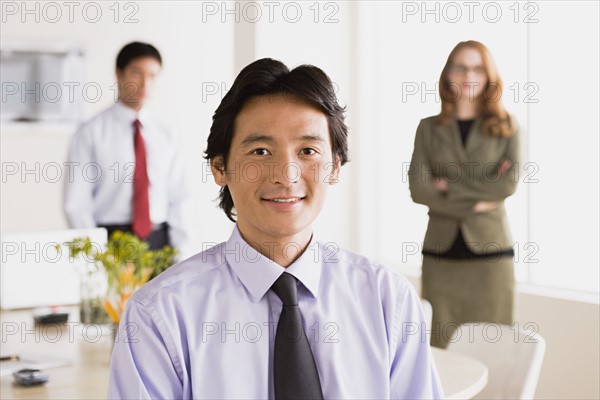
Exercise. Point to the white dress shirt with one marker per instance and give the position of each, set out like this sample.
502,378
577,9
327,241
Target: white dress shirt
205,328
101,162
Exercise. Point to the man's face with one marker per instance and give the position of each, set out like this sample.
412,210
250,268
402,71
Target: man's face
279,168
137,81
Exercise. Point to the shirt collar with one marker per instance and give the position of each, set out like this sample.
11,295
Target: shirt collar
258,273
129,114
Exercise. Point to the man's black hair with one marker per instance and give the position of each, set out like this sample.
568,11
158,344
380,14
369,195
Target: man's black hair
134,51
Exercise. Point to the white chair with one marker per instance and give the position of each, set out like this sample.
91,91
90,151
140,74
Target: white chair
513,356
428,311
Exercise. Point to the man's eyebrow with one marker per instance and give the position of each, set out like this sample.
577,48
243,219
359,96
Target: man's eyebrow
249,140
254,138
311,138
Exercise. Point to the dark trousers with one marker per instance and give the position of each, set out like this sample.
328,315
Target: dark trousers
157,239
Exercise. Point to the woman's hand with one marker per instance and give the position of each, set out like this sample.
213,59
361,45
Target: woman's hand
504,166
440,184
484,206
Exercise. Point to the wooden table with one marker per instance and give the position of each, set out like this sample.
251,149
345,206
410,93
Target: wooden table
89,349
87,346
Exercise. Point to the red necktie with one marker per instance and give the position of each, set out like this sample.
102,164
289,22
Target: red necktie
141,224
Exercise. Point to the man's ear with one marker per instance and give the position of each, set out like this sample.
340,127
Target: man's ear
335,173
217,166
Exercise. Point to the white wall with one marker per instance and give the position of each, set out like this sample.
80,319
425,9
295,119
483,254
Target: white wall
564,129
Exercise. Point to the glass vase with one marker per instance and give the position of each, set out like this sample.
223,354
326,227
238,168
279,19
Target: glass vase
93,287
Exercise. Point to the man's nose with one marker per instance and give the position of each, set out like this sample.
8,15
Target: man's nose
286,170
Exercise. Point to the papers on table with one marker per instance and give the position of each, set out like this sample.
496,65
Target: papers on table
34,361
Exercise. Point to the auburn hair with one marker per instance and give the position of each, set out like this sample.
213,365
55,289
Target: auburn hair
496,121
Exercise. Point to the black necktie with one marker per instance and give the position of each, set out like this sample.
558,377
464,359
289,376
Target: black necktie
295,372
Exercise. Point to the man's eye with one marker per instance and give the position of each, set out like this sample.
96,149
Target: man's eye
308,151
260,152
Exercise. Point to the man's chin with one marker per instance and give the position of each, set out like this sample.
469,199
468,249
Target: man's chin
136,104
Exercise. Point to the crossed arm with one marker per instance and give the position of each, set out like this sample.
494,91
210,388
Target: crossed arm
467,195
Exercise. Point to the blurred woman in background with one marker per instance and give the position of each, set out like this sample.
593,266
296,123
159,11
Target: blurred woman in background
464,164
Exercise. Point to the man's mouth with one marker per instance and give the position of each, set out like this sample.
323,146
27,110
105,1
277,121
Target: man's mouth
285,199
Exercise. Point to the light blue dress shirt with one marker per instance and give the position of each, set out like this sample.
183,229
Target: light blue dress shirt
206,327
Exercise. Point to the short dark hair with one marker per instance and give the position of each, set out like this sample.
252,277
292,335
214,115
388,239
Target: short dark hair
271,77
136,50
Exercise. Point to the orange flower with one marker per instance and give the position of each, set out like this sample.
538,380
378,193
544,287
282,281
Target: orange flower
111,311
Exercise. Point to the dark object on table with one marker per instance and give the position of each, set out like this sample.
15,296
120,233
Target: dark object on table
51,317
30,377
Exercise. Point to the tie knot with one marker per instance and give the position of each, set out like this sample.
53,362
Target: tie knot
137,124
285,288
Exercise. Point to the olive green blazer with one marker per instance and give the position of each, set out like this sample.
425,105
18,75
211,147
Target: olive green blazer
472,175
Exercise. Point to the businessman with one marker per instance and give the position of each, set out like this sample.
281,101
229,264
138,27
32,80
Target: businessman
127,170
275,312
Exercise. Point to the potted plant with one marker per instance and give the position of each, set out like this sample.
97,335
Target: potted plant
127,263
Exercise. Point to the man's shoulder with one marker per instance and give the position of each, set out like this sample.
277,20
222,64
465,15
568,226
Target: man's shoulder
352,262
96,122
200,270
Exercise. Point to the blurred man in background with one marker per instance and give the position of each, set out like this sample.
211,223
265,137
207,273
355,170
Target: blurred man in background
127,171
